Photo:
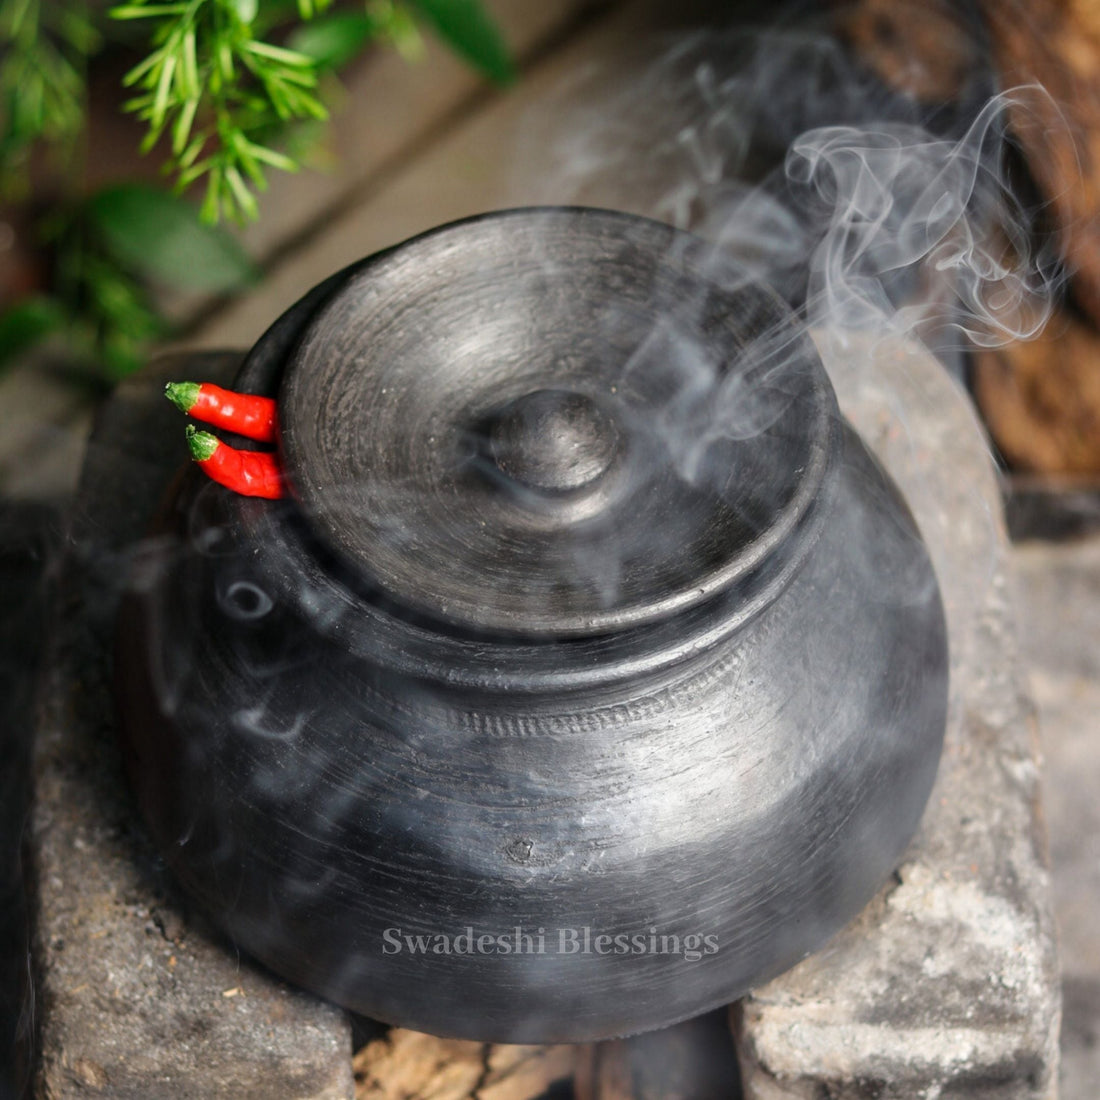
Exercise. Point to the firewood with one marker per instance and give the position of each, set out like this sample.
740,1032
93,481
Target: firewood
407,1065
1041,399
603,1072
525,1072
1057,44
919,48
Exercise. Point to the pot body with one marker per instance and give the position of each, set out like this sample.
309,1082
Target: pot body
531,838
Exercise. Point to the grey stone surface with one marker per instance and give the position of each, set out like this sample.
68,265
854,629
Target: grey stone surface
136,996
44,423
1059,589
947,984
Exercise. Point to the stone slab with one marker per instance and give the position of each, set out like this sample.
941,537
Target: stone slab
1059,595
44,424
137,999
947,984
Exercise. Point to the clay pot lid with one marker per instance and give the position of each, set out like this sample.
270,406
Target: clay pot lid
553,422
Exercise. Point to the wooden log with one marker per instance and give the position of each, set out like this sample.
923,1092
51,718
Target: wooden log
525,1072
924,49
408,1065
1041,399
1057,44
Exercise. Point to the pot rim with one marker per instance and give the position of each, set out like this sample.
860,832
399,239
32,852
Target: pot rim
406,639
352,480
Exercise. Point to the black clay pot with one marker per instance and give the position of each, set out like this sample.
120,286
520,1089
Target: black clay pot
591,672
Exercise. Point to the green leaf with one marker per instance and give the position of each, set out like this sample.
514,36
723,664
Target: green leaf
26,324
190,65
468,29
246,201
273,157
211,208
159,235
334,41
277,53
160,97
146,11
181,130
245,9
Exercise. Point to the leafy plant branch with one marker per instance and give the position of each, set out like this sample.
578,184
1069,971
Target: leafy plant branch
45,46
224,92
227,89
207,58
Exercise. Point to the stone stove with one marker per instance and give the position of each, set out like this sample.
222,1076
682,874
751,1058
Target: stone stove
945,985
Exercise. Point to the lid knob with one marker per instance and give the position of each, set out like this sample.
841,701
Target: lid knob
553,441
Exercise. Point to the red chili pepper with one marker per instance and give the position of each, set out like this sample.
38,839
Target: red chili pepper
246,414
250,473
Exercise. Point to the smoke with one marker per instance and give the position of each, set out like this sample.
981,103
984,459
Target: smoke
900,200
863,207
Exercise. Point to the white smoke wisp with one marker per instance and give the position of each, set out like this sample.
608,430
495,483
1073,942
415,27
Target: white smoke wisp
895,232
859,208
925,247
902,201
